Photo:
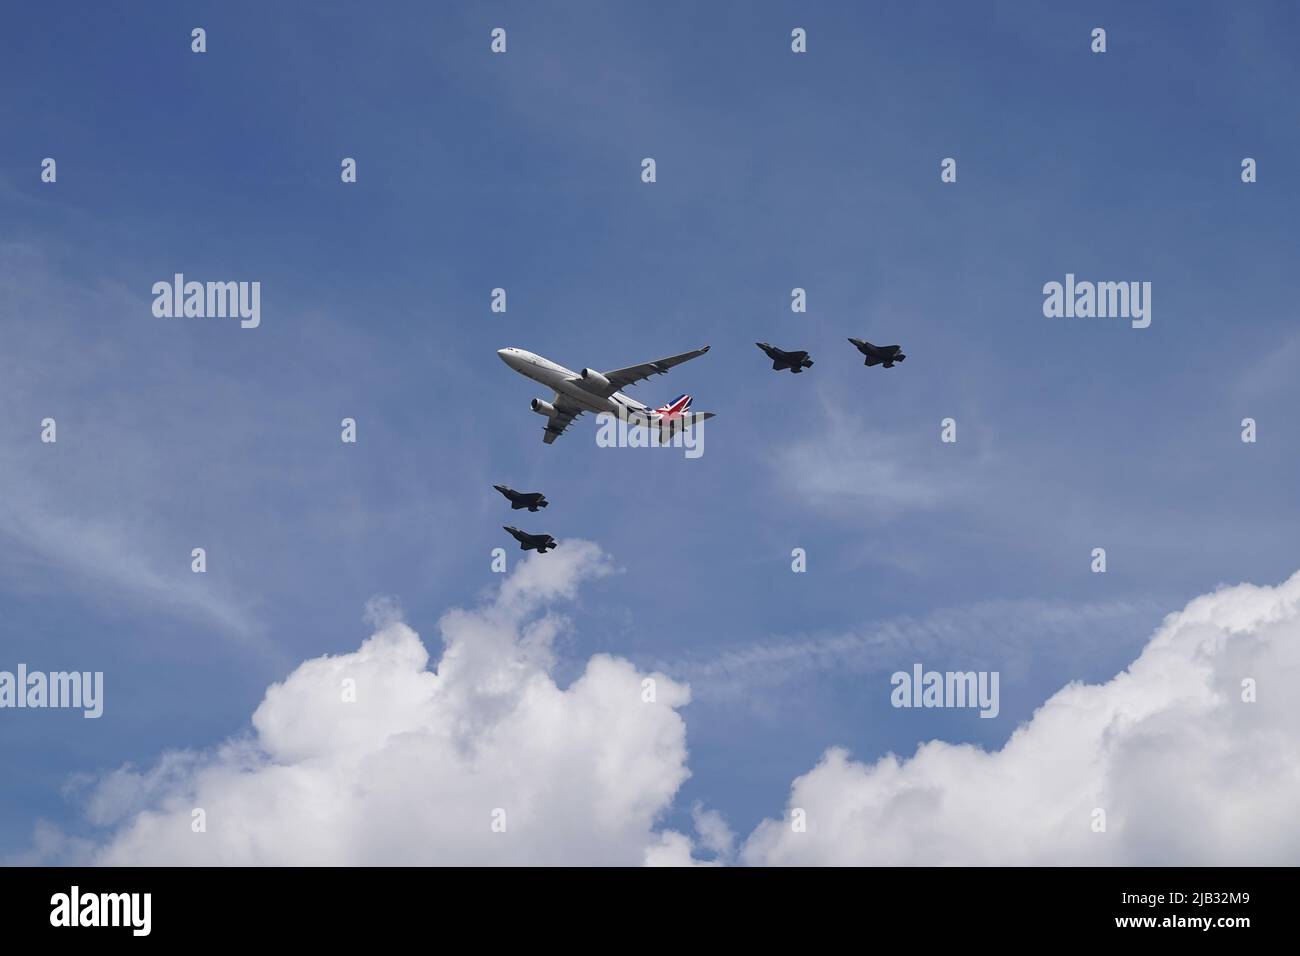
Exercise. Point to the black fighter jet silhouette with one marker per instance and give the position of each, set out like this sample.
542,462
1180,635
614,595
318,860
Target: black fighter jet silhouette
885,355
532,500
795,361
540,543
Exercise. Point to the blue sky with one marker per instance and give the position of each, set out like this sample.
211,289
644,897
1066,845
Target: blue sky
523,171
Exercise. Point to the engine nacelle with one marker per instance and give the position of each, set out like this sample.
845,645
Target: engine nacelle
543,408
595,380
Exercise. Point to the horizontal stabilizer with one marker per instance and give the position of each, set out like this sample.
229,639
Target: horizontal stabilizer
669,427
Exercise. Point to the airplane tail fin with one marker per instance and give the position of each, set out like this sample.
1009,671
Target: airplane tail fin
678,406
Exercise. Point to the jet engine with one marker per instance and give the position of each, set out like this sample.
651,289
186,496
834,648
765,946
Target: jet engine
543,408
593,379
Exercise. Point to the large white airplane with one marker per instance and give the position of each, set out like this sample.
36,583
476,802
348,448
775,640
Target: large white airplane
592,391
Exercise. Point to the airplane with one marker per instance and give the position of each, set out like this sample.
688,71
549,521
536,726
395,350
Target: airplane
592,391
879,354
532,500
531,542
795,361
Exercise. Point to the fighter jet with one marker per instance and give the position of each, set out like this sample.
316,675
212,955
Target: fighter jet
885,355
532,500
795,361
531,542
592,391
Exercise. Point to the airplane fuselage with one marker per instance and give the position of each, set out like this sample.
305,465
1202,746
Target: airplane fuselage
532,500
885,355
794,361
568,383
541,543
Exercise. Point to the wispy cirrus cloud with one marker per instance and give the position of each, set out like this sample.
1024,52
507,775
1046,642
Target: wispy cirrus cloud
1008,634
90,506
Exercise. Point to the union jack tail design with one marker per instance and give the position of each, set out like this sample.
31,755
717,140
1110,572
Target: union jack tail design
676,416
678,407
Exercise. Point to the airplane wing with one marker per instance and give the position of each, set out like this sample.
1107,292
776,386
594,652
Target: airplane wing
621,378
565,412
872,360
797,356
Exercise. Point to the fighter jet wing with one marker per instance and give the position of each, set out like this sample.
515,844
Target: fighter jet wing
872,360
565,412
621,378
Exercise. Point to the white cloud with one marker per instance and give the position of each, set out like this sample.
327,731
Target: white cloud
1186,772
671,849
713,833
412,772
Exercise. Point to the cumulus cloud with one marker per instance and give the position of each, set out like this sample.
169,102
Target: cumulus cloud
1186,771
419,767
